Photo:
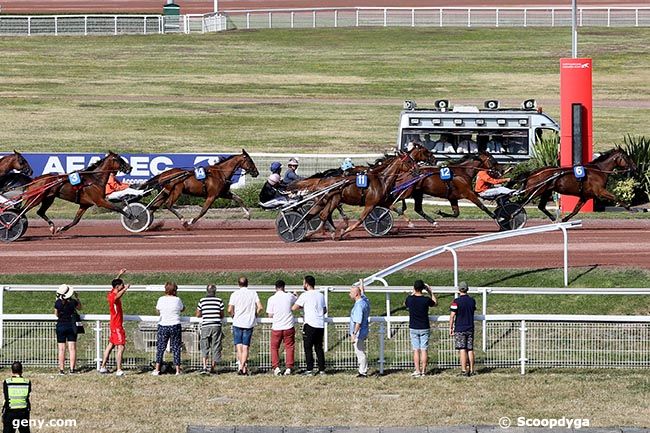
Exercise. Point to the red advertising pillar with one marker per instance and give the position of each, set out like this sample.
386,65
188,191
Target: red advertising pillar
576,137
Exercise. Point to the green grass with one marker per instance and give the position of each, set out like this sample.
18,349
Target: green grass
323,90
144,302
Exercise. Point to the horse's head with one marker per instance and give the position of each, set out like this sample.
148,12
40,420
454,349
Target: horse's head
623,160
420,153
248,165
487,160
20,164
114,162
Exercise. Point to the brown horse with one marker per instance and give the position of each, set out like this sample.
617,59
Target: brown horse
11,163
216,184
465,169
90,192
546,180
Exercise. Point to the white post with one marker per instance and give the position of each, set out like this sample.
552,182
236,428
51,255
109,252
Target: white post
215,6
29,26
160,25
636,17
525,17
270,20
553,17
566,256
484,325
357,19
440,17
388,313
98,342
327,305
412,17
56,26
385,17
248,20
455,256
469,17
336,17
609,16
574,29
313,19
522,347
145,25
382,359
292,17
496,19
2,322
115,25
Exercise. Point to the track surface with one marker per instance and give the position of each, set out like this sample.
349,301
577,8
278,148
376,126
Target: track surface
212,246
203,6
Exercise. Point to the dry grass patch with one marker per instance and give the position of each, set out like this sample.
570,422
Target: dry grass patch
142,403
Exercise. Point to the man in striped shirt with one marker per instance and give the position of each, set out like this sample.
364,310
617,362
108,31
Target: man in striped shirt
211,311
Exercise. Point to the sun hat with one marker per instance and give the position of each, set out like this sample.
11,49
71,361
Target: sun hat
64,291
274,179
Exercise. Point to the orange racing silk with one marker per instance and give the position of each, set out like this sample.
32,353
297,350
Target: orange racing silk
114,185
484,181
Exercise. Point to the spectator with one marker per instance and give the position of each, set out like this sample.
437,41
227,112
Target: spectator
488,184
169,307
418,305
313,331
467,145
461,327
291,175
65,307
117,336
115,189
444,145
16,408
494,145
359,325
282,329
211,311
244,306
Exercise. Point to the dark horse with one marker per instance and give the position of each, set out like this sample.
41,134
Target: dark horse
459,187
90,192
15,171
546,180
177,181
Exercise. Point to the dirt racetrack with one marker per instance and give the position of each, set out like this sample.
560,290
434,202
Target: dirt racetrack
212,246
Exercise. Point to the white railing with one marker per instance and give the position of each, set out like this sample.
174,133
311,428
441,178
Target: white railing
558,341
438,17
77,25
311,163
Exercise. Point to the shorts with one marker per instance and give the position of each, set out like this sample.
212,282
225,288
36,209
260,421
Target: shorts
464,340
117,336
66,332
242,335
420,338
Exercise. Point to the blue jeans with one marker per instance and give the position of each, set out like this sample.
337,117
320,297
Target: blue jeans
242,335
420,338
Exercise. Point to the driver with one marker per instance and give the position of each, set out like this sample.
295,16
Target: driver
346,166
271,196
115,189
488,184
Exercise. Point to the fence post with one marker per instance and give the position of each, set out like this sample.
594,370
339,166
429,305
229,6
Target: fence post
29,26
412,17
469,17
98,341
270,20
636,17
248,20
566,256
609,17
382,359
496,18
522,347
440,17
56,26
357,19
455,256
115,25
525,17
388,313
385,17
145,26
292,17
553,17
336,18
484,324
2,311
327,313
313,19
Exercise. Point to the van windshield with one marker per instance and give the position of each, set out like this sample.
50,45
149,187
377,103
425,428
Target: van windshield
503,141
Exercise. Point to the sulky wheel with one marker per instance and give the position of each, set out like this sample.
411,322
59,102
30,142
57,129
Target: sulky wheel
11,226
25,225
291,226
139,217
314,224
379,221
510,216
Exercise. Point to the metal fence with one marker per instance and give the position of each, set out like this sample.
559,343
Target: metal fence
512,341
437,17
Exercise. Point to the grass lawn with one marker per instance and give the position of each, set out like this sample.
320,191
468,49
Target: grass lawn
322,90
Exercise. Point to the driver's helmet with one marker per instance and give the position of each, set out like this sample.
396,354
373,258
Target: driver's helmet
275,167
273,179
347,164
494,173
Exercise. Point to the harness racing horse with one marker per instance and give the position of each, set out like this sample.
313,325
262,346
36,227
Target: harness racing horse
177,181
15,171
89,192
453,190
546,180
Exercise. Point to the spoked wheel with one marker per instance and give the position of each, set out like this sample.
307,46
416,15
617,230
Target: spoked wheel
510,216
25,225
314,224
139,217
11,226
379,221
291,226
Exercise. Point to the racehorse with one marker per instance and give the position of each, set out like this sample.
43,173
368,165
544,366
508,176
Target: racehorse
90,191
546,180
15,171
177,181
453,190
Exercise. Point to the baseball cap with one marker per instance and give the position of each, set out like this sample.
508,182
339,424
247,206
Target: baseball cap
463,287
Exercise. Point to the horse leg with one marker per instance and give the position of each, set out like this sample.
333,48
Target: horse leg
418,198
346,219
208,202
606,195
364,214
543,200
82,210
576,209
454,208
237,199
45,205
473,197
400,212
172,197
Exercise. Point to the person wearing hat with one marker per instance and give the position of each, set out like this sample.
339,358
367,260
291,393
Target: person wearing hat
65,307
461,327
16,408
276,168
291,175
347,165
270,195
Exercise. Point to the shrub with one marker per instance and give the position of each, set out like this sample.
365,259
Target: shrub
546,152
639,150
625,189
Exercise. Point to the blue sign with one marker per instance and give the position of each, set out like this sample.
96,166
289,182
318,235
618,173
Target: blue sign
144,165
362,181
446,173
579,172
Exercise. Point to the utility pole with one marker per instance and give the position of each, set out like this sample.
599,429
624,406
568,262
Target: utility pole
574,29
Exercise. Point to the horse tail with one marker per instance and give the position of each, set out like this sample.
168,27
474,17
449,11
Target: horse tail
154,182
